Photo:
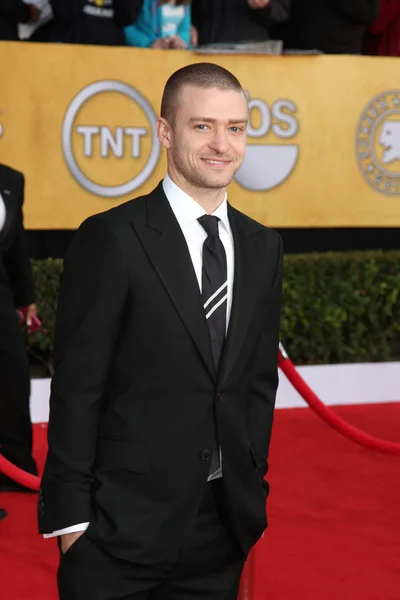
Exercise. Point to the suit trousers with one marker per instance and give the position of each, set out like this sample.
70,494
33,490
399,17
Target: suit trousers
15,423
207,566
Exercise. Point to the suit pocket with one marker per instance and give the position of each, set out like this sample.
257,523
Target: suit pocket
132,456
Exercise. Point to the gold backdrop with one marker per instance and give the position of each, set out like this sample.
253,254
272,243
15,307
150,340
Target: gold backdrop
323,142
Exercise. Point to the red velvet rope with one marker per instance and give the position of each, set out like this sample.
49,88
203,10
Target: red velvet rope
349,431
18,475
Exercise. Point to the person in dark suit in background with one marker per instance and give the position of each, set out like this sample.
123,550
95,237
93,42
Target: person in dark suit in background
13,12
232,21
16,291
331,26
166,350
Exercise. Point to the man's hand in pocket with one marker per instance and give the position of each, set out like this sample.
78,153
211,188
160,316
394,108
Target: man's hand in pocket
68,539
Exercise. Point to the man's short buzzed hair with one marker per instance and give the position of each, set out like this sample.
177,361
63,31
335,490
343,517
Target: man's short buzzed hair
200,75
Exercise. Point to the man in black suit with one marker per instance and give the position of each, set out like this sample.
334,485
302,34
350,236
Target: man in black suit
13,12
16,291
159,426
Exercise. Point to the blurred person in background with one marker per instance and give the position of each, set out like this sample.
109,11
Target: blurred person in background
232,21
161,24
98,22
332,26
384,35
13,12
16,291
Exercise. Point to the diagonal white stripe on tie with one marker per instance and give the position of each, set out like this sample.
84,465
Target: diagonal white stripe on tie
216,306
211,298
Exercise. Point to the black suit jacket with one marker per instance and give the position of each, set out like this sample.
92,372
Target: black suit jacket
16,287
133,396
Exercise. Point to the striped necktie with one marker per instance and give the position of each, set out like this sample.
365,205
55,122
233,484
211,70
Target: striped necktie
214,295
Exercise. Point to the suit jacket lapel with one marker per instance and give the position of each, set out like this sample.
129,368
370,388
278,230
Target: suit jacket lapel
246,287
165,245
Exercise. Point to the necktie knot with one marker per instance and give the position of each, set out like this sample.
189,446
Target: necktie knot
210,225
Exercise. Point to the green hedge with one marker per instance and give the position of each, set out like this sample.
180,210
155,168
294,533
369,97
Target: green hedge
337,307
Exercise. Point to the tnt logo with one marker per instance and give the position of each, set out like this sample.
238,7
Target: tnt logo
109,139
112,142
266,166
378,143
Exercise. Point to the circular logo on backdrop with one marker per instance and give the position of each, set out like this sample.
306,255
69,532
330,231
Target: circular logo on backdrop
378,143
109,139
268,165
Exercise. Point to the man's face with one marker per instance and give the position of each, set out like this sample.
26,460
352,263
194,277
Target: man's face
207,141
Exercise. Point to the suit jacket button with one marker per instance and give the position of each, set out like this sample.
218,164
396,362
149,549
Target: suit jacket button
205,454
219,396
41,513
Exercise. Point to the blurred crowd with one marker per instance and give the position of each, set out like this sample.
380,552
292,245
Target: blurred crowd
329,26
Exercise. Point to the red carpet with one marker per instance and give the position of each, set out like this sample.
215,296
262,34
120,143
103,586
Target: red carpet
334,515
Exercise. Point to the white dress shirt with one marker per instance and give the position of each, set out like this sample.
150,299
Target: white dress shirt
2,213
187,211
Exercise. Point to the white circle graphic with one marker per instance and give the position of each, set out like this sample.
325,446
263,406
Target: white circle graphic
108,191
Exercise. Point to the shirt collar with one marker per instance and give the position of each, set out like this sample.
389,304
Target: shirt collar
186,210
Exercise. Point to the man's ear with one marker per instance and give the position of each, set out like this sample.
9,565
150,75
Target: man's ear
164,132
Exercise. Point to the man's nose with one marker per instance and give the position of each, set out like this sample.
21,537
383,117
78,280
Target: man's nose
219,142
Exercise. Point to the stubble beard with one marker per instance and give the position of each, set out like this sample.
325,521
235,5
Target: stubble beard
199,180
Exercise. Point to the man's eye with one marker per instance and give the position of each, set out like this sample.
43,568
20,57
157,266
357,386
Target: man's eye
236,129
201,127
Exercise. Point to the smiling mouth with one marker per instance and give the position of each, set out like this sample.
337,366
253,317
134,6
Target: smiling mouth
216,161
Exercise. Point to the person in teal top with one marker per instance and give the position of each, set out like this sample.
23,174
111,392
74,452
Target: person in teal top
161,24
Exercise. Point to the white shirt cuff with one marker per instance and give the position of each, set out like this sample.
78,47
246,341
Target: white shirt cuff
72,529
